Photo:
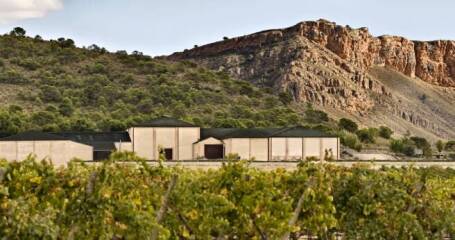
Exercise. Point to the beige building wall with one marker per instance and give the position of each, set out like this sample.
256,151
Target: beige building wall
143,142
59,152
331,145
278,146
186,138
146,141
124,146
294,149
259,149
24,148
8,150
312,147
240,146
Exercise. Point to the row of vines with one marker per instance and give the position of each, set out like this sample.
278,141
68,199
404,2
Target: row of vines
138,201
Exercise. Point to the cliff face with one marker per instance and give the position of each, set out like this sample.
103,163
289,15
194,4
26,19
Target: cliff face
331,66
433,61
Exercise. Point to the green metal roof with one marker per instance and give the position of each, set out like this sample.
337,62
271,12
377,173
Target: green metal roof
34,136
226,133
165,122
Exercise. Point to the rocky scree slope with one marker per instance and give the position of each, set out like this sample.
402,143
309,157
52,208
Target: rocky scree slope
347,72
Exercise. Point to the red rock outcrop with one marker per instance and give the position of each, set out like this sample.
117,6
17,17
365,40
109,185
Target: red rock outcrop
433,62
341,69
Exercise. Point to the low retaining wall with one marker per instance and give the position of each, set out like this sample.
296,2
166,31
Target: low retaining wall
293,165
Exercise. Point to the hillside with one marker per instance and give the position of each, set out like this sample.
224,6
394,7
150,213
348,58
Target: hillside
54,86
407,85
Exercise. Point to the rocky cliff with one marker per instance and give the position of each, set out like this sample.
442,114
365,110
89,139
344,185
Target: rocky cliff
345,71
432,61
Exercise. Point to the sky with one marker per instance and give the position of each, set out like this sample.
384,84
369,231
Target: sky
159,27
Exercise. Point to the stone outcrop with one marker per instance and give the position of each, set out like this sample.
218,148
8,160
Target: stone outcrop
433,62
329,66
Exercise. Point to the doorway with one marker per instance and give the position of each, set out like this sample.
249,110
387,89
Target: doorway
214,151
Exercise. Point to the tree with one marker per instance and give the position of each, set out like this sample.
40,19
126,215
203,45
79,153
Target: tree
385,132
348,125
18,32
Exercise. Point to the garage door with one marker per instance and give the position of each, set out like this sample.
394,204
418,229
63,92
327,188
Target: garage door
213,151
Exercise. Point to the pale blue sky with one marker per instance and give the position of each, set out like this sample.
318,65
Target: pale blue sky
158,27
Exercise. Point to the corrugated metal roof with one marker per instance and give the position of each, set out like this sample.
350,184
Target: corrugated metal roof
165,122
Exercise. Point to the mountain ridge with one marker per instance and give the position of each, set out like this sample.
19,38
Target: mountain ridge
331,66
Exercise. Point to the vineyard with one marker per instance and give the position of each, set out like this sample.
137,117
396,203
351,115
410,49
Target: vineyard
138,201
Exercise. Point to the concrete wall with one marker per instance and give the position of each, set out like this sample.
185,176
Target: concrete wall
259,149
147,141
186,138
240,146
278,146
331,145
59,152
312,147
124,146
143,142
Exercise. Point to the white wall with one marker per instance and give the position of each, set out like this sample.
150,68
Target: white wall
278,149
143,142
59,152
124,146
330,144
294,149
146,141
187,136
312,147
259,149
240,146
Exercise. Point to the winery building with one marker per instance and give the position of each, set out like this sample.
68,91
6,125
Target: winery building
175,140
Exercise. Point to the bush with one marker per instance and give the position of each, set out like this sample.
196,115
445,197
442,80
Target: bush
351,141
385,132
348,124
316,116
50,94
286,97
450,145
367,135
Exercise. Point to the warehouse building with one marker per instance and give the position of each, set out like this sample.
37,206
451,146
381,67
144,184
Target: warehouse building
176,140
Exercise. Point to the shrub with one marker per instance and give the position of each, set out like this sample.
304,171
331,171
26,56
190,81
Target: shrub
440,145
285,97
312,159
50,94
351,141
367,135
348,125
385,132
450,145
316,116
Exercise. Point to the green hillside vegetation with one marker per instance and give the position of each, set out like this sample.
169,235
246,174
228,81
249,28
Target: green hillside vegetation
55,86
